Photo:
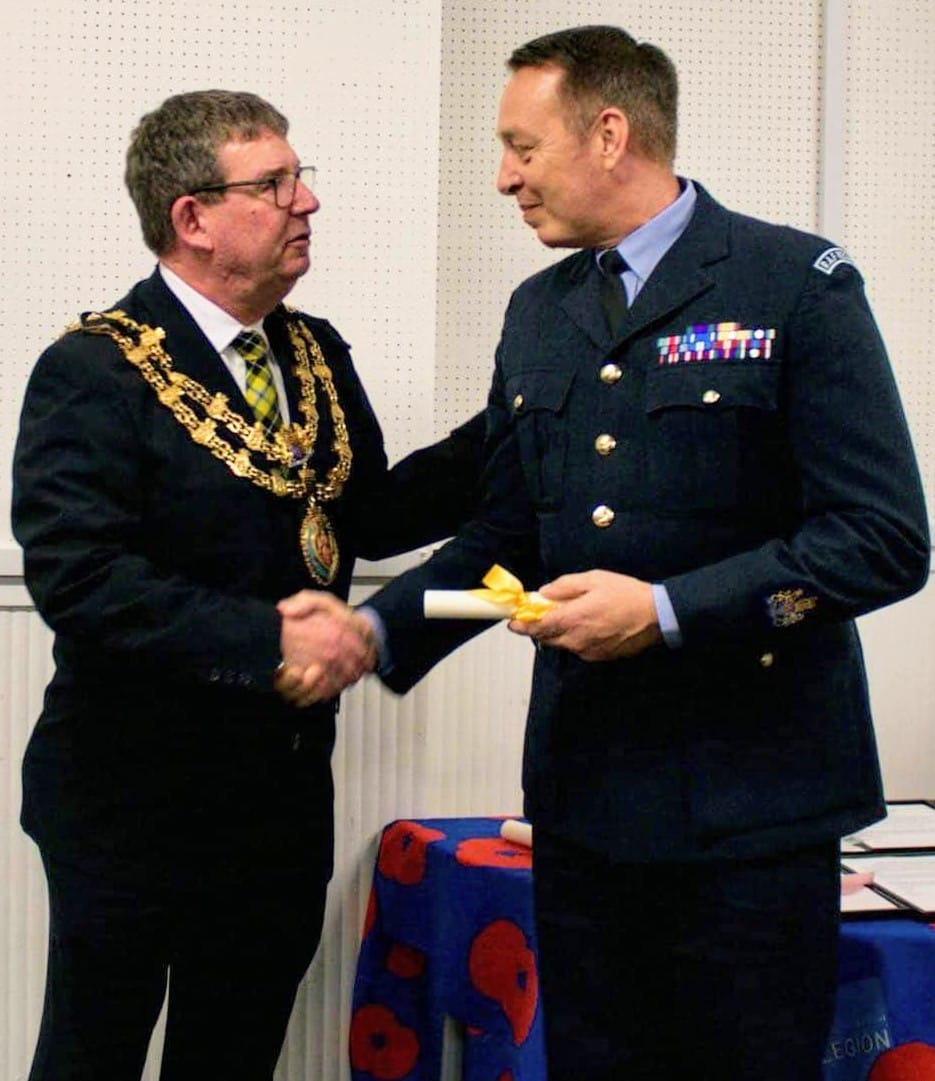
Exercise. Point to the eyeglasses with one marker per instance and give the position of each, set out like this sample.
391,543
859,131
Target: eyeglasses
282,185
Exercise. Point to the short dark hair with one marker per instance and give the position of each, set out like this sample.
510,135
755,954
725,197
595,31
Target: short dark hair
174,151
604,65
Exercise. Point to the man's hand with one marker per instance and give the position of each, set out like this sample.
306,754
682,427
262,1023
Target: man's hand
326,647
600,616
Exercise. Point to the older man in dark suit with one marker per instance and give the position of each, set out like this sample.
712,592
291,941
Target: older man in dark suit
185,460
696,440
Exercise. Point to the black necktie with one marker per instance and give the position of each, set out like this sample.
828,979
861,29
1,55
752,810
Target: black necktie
613,295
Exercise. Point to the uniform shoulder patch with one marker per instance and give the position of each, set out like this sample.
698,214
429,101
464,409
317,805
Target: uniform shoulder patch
830,259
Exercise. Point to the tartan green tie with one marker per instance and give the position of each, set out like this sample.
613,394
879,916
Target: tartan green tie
260,390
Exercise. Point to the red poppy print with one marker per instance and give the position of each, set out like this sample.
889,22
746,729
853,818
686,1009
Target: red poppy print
909,1062
405,962
493,852
503,967
402,851
370,918
380,1045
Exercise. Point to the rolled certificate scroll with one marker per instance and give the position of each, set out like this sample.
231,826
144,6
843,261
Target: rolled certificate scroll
465,604
504,598
520,833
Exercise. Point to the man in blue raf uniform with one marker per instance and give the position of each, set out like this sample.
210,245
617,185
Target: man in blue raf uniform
701,450
185,461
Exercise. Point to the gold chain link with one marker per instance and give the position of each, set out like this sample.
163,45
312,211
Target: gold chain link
289,449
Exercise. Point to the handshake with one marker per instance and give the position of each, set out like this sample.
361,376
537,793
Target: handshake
326,646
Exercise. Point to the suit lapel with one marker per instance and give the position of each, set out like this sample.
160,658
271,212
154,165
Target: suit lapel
684,272
582,302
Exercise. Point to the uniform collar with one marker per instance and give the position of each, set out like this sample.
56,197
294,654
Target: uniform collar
643,249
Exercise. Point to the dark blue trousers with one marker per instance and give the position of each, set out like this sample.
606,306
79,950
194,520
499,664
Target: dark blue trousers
232,940
714,972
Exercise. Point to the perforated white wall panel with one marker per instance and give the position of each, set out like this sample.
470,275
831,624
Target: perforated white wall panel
888,151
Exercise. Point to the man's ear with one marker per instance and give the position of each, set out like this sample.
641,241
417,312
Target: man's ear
612,128
189,222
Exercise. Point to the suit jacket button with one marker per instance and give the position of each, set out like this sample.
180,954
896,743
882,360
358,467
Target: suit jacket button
602,516
710,397
518,402
611,373
767,660
605,444
297,741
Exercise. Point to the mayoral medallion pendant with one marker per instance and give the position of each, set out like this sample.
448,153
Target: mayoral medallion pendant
319,545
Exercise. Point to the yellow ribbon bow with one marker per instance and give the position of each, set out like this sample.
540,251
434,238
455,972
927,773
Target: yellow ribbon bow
506,589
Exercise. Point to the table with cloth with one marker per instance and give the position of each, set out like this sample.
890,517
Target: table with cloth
449,934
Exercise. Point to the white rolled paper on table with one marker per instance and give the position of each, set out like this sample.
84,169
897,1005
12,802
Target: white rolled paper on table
459,604
851,883
520,833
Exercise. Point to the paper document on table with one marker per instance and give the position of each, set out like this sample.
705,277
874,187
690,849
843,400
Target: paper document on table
909,879
868,901
907,826
850,847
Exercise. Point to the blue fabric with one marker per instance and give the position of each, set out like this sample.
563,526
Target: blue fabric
450,932
886,1002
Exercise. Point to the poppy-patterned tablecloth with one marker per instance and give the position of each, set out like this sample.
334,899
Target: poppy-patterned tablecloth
449,933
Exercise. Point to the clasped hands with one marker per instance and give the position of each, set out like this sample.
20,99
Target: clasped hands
326,646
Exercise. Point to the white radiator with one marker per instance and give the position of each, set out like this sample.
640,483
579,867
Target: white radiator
451,747
25,666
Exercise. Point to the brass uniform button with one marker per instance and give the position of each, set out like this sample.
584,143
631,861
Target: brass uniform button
611,373
710,397
602,516
518,402
605,444
767,660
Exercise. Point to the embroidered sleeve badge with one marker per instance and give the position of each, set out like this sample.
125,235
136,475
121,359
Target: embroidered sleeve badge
788,607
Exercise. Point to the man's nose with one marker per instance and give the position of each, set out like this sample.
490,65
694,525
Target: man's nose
305,201
508,179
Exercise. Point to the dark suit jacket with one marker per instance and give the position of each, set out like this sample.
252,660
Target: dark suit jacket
158,571
775,496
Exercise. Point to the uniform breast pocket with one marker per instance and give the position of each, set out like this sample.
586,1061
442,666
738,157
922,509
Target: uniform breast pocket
537,401
714,434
